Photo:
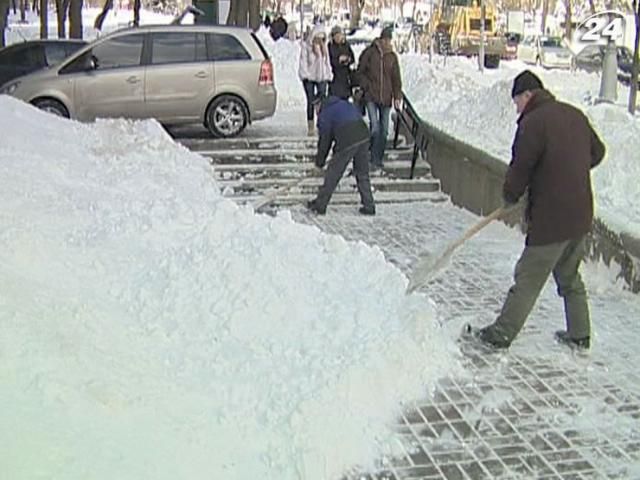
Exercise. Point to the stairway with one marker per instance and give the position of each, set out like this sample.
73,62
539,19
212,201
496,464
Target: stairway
248,168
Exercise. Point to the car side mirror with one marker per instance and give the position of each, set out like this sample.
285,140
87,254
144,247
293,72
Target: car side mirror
91,63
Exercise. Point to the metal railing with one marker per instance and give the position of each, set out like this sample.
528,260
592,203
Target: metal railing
408,117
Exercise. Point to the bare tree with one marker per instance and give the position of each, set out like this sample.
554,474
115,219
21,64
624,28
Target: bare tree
75,18
44,18
545,12
136,12
355,8
62,7
633,91
14,6
567,19
108,5
244,13
4,14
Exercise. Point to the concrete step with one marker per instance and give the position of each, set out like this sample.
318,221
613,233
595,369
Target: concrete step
236,171
310,185
278,155
346,198
267,143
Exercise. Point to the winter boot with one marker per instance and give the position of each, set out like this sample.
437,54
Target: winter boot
484,337
311,128
367,210
562,336
313,207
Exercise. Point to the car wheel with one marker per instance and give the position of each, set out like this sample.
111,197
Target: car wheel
52,106
227,116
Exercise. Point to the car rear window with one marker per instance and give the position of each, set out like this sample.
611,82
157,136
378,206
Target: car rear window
259,43
223,47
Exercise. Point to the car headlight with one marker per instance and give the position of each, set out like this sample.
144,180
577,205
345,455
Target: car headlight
9,88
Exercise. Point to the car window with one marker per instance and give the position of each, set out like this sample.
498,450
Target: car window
118,52
28,56
55,53
223,47
178,47
551,42
527,41
590,52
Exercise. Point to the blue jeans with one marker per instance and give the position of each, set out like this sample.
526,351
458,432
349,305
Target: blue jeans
379,128
313,91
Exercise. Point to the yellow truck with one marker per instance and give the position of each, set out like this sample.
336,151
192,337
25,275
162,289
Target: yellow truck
457,30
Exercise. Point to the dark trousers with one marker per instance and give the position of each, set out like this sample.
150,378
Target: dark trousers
337,166
379,127
313,91
531,273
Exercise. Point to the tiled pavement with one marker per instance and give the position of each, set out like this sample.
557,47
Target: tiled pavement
537,411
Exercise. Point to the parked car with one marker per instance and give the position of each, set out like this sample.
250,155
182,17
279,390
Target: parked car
178,74
591,58
548,52
26,57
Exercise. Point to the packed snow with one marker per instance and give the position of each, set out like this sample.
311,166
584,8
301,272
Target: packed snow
139,307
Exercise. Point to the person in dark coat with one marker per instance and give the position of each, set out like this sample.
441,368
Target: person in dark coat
340,125
342,58
554,149
379,77
278,28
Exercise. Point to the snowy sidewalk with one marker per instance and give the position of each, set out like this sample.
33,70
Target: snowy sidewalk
536,411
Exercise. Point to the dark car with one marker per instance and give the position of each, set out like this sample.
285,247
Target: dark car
591,57
26,57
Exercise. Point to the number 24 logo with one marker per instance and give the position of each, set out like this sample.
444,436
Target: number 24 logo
608,24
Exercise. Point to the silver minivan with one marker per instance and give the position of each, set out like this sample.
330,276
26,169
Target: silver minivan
219,76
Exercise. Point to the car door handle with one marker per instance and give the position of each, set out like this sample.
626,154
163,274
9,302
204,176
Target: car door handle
133,79
201,75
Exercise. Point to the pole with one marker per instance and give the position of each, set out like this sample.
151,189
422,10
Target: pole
482,36
609,79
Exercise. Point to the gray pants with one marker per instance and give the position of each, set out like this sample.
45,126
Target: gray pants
336,169
531,273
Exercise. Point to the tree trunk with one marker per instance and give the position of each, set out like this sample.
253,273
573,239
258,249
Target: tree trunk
238,13
108,5
545,12
254,15
355,8
14,6
23,10
633,90
231,16
75,18
136,12
44,18
592,7
567,19
61,14
4,16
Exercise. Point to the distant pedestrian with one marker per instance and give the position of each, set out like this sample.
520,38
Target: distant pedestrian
314,70
340,125
553,151
342,58
278,28
379,77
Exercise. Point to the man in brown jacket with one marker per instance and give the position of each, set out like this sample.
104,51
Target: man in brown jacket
552,154
379,77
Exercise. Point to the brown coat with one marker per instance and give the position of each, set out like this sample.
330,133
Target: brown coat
379,74
553,151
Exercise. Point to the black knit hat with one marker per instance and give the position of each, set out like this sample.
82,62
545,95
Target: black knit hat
525,81
387,32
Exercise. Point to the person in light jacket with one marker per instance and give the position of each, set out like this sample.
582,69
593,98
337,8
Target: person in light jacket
314,71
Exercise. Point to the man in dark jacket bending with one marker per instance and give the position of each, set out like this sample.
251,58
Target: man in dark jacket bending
341,125
553,151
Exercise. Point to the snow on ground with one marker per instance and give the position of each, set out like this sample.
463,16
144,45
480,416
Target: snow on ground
153,329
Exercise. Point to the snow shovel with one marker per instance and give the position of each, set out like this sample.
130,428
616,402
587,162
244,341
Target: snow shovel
269,197
428,265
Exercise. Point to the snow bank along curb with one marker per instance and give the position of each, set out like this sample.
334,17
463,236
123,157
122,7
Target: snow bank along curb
473,178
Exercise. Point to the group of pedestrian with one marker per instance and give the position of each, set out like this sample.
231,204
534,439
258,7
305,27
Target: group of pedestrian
336,91
550,171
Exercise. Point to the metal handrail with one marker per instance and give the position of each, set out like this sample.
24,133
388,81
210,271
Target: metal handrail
408,116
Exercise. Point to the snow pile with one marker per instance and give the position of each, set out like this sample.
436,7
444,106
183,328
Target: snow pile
477,109
153,329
